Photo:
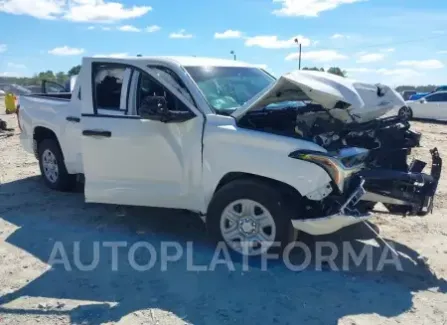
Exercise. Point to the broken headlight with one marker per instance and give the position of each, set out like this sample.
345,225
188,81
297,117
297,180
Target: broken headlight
339,166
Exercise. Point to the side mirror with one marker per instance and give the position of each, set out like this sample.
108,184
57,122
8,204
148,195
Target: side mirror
422,100
154,108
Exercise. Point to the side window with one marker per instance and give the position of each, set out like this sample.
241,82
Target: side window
443,97
434,98
51,87
108,90
173,80
147,86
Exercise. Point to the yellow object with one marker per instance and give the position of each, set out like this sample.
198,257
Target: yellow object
10,103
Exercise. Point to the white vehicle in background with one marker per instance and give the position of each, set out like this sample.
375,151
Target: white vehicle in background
225,140
432,106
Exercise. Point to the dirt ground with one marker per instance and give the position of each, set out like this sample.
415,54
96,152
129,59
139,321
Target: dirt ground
34,219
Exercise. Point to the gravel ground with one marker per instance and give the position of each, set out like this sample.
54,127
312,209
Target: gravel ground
35,220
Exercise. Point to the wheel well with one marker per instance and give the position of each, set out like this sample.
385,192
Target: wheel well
288,192
42,133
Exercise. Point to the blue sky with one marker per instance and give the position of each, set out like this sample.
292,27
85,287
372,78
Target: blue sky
390,41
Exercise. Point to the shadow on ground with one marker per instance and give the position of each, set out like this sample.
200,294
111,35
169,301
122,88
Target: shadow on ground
277,295
428,120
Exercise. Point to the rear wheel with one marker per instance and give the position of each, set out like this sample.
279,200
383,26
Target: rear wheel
250,217
52,167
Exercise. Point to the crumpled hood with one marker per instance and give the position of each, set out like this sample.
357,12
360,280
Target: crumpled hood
362,101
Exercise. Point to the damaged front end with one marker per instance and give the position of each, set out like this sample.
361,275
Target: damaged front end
409,192
356,189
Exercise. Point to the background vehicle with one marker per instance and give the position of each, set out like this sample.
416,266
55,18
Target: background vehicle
433,106
198,134
406,94
421,95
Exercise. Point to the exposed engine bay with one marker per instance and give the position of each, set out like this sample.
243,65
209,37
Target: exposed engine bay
312,122
386,143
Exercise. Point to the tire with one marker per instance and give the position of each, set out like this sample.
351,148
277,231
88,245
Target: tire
402,209
406,113
52,167
234,197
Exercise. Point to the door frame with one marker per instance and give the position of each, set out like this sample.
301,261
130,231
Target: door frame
91,111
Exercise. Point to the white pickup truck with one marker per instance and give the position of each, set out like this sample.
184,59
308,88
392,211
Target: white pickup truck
258,158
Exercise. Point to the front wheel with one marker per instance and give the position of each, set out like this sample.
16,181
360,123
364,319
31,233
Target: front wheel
52,167
406,113
250,217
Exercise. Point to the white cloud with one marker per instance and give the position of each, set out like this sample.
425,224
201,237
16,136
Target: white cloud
16,65
181,34
442,52
371,57
152,29
388,76
309,8
105,28
43,9
3,48
400,76
229,34
112,55
358,70
66,50
339,36
101,11
11,74
398,72
91,27
74,10
318,56
422,64
129,28
385,71
389,50
272,42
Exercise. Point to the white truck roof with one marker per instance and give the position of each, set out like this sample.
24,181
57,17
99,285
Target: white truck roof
186,61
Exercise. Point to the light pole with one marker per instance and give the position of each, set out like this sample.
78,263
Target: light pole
234,55
299,56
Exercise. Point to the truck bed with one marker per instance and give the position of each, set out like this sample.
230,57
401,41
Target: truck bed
58,114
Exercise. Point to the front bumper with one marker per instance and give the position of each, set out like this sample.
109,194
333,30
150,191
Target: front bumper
346,216
413,190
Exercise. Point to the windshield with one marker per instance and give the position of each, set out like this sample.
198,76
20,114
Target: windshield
227,88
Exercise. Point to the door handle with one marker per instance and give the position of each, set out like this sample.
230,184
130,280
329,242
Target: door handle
97,133
73,119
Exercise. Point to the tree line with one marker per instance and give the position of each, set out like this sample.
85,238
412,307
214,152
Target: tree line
61,77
